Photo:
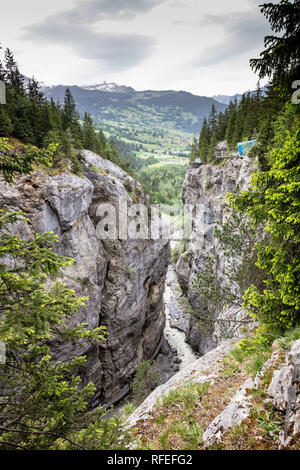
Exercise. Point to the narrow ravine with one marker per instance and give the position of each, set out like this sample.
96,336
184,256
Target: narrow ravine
177,320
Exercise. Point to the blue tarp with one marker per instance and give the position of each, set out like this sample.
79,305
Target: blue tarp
244,147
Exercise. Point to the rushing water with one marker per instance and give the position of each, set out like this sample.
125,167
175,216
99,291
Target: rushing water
176,320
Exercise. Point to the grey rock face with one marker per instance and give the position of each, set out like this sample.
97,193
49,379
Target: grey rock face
284,391
234,414
207,187
205,369
124,279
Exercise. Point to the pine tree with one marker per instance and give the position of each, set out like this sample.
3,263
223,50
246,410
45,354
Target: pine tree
212,146
29,117
280,60
204,142
6,126
112,152
273,200
89,134
231,124
194,150
212,120
70,114
102,142
12,73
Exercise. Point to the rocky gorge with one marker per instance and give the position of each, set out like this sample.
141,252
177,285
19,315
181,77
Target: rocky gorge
132,288
144,301
124,280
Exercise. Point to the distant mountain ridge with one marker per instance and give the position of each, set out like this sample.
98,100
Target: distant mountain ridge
225,99
112,103
109,87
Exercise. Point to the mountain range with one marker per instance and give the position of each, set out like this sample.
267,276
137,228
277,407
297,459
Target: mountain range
148,123
109,103
225,99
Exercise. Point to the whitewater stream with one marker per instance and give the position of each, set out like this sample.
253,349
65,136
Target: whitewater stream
177,320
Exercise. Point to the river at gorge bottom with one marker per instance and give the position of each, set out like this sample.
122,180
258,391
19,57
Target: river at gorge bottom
177,320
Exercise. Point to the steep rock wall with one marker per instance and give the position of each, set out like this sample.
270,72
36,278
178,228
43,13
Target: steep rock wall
124,279
206,187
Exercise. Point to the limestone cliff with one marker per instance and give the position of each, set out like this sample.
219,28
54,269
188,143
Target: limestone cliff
206,187
123,279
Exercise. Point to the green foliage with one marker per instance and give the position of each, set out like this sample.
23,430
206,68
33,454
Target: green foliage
280,59
194,151
99,433
191,433
215,287
22,159
230,369
240,121
252,352
6,126
270,421
31,118
43,402
274,202
163,184
164,439
177,416
187,395
146,379
40,400
204,141
128,409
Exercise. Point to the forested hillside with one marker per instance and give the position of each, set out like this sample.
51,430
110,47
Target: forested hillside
29,118
252,117
150,123
175,109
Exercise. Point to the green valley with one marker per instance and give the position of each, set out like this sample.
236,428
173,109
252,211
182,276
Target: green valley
150,123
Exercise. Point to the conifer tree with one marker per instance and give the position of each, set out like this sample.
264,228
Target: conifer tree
194,150
280,60
204,142
69,110
89,134
102,142
231,124
212,120
12,73
6,126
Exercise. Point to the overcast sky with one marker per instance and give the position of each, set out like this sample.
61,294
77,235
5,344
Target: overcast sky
198,46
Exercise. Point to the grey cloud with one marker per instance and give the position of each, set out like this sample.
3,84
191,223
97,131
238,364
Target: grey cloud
114,51
74,28
244,32
91,11
178,4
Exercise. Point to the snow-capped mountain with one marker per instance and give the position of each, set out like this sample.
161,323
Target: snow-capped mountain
108,87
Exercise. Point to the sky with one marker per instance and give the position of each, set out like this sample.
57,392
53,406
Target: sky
198,46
